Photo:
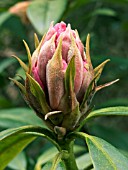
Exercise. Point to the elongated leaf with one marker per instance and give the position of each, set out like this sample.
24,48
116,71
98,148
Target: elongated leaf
120,101
12,23
45,157
50,153
5,103
103,154
19,162
4,17
110,111
104,11
56,161
41,13
118,138
6,63
11,146
48,165
16,117
84,161
13,141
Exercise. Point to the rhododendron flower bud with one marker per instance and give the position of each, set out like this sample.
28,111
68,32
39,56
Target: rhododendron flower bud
60,79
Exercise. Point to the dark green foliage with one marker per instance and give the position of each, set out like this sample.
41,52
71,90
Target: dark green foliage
107,23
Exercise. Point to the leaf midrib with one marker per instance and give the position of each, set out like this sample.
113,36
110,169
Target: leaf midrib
105,153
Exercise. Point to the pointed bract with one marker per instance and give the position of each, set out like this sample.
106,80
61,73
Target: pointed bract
69,101
36,40
88,53
23,65
106,85
55,77
98,70
39,94
74,51
29,57
21,87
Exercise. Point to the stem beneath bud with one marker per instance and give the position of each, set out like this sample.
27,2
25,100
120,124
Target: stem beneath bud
69,158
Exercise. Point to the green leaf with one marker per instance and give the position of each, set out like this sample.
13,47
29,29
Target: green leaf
15,117
45,157
11,146
110,111
37,91
4,17
13,141
48,165
104,11
50,153
120,2
6,63
84,161
103,155
7,3
5,102
116,137
78,149
19,162
56,161
9,21
41,13
120,101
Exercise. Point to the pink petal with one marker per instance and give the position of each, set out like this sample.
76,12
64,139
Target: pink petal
36,76
46,53
50,32
60,27
74,51
64,65
80,45
87,78
66,43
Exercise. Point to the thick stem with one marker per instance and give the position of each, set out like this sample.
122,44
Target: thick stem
69,158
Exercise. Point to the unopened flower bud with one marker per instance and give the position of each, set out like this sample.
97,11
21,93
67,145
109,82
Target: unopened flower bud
60,79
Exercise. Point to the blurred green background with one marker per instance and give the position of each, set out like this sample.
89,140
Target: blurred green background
105,20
